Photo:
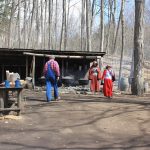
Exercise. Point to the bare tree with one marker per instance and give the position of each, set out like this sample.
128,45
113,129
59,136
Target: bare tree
19,29
45,23
88,24
137,84
24,25
110,12
31,25
42,26
66,17
93,11
123,42
83,26
117,31
102,26
10,23
63,28
67,25
37,24
56,17
50,23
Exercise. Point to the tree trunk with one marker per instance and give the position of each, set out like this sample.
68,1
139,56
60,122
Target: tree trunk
5,27
137,84
63,24
45,23
122,49
37,24
83,26
109,25
114,23
31,25
117,31
102,26
56,17
41,18
50,24
24,24
88,24
92,16
10,23
19,30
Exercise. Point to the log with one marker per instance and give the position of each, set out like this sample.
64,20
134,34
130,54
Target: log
9,109
61,56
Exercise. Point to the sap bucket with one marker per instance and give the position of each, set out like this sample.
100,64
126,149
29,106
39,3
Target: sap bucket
7,84
17,84
124,84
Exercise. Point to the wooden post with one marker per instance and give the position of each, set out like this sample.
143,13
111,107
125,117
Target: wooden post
44,61
6,99
66,67
19,99
3,73
27,66
1,105
33,73
62,68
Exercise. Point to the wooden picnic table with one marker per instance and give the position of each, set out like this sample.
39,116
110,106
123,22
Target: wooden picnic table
4,99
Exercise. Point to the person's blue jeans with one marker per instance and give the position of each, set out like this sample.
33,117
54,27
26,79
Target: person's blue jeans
49,86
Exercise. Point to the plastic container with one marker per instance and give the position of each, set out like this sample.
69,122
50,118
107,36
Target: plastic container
124,84
7,84
17,84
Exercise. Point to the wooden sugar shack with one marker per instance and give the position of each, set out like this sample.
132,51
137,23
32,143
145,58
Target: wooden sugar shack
30,62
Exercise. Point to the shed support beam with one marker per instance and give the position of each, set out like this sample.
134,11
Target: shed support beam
62,69
62,56
3,72
27,64
33,73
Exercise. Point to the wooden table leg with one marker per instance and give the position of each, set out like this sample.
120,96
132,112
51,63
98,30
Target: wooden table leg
6,98
1,102
1,105
19,98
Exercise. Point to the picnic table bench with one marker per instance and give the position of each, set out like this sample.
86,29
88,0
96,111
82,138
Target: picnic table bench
4,99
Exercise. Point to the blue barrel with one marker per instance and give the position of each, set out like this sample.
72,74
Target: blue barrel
7,84
17,84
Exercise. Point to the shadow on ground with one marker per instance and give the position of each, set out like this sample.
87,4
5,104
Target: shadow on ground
80,122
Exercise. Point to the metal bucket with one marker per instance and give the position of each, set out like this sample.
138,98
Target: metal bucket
83,82
67,80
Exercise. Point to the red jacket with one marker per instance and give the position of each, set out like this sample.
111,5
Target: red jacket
91,73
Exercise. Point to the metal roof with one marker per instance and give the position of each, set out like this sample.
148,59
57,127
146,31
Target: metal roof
19,51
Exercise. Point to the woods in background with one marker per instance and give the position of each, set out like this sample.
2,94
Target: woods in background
87,25
83,25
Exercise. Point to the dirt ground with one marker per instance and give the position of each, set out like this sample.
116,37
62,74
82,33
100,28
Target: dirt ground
79,122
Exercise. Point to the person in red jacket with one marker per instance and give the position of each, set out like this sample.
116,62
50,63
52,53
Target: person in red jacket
94,77
108,77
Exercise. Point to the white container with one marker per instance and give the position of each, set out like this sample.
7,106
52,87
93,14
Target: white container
7,75
146,87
